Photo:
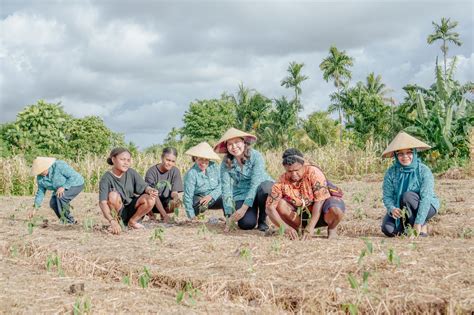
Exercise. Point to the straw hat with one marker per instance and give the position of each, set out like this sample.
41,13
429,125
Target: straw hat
221,146
203,150
404,141
41,164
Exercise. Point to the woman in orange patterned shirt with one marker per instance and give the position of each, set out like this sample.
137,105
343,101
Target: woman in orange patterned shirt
299,197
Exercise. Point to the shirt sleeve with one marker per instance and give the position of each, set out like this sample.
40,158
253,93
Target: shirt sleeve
73,178
258,173
139,184
319,185
388,191
217,191
226,183
177,182
39,196
276,195
150,177
426,195
189,187
104,189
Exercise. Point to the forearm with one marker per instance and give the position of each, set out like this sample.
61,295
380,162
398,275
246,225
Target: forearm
106,211
315,214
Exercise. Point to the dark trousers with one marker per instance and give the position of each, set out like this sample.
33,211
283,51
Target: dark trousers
61,205
411,201
257,211
213,204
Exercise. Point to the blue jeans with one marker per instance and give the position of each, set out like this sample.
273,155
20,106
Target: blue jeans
61,205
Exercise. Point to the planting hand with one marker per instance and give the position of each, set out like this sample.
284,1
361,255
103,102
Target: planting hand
31,213
115,227
239,214
152,192
417,228
291,233
60,192
307,234
205,200
396,213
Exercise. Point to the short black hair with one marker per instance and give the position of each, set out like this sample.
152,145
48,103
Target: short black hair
169,150
115,152
292,156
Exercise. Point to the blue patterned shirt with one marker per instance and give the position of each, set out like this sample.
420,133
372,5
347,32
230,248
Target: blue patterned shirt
60,174
241,183
198,183
424,187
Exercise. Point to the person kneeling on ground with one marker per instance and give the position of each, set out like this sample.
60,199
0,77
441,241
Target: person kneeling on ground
63,180
202,183
166,177
409,185
123,194
299,196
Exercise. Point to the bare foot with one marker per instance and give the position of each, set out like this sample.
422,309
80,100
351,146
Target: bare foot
332,234
135,225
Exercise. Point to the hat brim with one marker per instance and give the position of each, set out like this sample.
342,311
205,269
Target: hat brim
221,147
404,141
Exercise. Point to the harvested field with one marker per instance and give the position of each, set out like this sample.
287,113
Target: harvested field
243,272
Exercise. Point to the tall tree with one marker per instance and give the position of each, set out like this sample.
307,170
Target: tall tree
375,86
294,80
336,67
445,33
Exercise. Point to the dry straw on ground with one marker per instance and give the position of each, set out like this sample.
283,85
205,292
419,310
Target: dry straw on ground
244,272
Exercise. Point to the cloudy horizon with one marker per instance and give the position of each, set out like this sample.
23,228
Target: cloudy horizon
138,64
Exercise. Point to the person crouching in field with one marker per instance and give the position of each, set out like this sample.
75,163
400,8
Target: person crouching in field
123,194
166,177
202,182
408,188
301,195
245,183
63,180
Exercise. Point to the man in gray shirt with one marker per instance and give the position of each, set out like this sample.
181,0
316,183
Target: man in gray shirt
166,177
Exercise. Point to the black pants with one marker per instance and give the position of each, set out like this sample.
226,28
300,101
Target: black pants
213,204
410,200
61,205
257,211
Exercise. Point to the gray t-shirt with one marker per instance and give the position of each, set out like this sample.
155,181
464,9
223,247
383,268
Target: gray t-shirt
165,181
128,185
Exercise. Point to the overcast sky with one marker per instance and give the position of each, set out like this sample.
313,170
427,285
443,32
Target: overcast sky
138,64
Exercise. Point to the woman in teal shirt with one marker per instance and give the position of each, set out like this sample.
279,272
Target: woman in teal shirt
63,180
408,184
245,182
202,184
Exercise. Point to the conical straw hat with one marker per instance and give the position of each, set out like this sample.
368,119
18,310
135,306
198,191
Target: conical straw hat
221,146
203,150
41,164
404,141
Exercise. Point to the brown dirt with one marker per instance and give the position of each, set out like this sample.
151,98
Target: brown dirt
244,272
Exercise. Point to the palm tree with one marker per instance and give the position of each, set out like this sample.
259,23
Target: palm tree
294,80
374,86
445,33
336,67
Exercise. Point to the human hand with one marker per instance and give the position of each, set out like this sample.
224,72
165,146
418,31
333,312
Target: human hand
115,227
205,200
396,213
60,192
291,233
239,214
31,213
152,192
307,234
417,228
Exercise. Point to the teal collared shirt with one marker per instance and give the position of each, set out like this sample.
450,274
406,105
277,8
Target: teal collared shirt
60,174
199,183
241,183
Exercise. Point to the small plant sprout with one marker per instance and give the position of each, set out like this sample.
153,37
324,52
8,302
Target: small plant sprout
392,257
353,309
203,230
144,278
88,224
281,230
32,223
126,280
188,293
54,261
82,306
158,234
163,184
276,246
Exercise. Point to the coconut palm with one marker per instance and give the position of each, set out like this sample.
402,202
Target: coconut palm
294,80
374,86
336,67
444,32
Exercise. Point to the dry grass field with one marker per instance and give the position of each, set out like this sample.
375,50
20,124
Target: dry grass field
195,268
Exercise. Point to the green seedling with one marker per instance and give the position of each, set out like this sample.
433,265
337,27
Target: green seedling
318,231
466,233
32,223
353,309
54,261
163,184
276,246
392,257
203,230
144,278
82,306
14,251
188,293
126,280
281,230
359,213
88,224
158,234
